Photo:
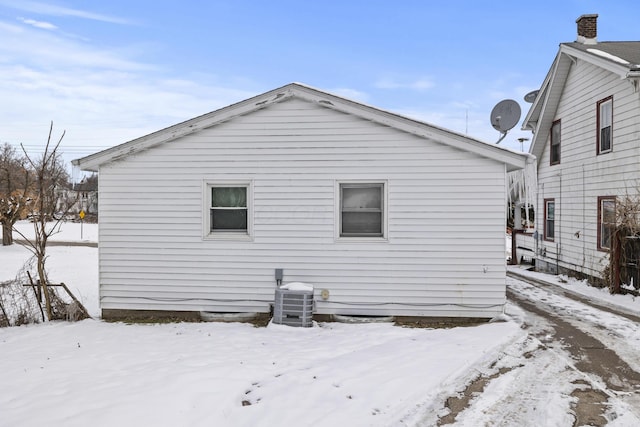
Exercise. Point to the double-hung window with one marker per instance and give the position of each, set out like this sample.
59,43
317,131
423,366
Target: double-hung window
555,143
362,209
605,124
606,221
228,209
549,219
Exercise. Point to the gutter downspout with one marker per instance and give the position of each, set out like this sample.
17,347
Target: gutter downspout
559,212
539,236
584,248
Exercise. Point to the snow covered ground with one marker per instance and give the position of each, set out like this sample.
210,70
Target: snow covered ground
94,373
66,232
542,376
602,295
76,266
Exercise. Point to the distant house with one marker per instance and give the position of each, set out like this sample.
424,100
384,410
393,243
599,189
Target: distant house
382,214
586,124
81,196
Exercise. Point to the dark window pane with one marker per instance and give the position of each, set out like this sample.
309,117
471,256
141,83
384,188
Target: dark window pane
228,219
550,231
229,197
555,142
555,154
361,197
551,207
605,139
605,236
362,223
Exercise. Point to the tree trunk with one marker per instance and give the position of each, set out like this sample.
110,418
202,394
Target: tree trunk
616,260
7,234
44,285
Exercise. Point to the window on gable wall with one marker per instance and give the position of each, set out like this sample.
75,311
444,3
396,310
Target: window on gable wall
604,124
549,219
606,221
362,207
555,143
228,210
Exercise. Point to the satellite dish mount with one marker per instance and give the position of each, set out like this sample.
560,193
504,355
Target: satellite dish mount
504,116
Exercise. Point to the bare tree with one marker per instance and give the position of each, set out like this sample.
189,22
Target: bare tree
15,185
48,208
624,256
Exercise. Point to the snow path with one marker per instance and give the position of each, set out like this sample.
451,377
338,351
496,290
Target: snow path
615,332
536,381
530,387
533,392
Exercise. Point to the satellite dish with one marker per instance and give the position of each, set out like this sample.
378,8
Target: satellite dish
531,96
504,116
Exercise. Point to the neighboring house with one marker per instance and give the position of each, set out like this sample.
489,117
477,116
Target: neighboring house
382,214
82,196
87,191
586,124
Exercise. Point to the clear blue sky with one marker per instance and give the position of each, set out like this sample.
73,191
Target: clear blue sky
111,71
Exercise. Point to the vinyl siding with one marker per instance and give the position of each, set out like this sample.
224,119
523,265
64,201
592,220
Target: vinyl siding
583,175
446,217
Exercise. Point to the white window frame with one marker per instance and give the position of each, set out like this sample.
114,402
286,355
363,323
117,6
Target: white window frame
385,211
605,120
208,234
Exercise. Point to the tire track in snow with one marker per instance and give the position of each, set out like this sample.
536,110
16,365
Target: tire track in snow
529,385
561,373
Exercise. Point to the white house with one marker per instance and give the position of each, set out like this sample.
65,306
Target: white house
382,214
81,196
586,124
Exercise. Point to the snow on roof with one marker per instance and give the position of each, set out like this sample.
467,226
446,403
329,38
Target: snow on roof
608,56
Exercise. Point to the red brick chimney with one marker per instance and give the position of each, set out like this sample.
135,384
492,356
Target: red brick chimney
587,29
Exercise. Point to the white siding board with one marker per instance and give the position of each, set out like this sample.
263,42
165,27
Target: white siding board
445,212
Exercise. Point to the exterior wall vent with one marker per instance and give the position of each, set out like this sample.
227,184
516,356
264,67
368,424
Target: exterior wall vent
294,305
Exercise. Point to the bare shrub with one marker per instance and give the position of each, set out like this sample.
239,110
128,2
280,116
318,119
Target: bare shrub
605,281
624,256
20,304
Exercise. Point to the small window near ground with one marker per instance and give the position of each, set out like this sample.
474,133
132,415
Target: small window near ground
362,210
227,210
606,221
555,143
549,219
605,124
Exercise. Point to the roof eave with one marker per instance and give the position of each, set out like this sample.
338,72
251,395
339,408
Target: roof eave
93,161
546,104
607,64
513,160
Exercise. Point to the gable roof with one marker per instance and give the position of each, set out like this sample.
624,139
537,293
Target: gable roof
512,159
620,58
